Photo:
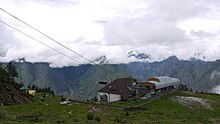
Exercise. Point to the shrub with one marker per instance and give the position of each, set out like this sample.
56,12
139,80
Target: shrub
126,114
60,122
120,120
90,116
34,117
97,119
95,99
2,114
75,120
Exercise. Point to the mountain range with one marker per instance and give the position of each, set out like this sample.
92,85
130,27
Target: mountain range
83,80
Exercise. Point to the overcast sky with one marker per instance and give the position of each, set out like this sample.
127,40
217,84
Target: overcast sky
112,28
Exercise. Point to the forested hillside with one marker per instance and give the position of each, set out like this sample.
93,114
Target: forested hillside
9,89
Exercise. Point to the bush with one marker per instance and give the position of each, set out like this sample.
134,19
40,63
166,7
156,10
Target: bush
126,114
34,117
60,122
95,99
97,119
120,120
2,114
90,116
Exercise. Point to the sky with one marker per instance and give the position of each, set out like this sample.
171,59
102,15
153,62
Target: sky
111,28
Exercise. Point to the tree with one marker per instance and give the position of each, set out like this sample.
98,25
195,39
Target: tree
95,99
183,87
12,70
4,74
33,87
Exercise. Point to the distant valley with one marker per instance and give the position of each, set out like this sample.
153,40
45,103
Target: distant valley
83,80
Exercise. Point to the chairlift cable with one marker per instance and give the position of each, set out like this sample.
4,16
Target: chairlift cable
38,41
52,39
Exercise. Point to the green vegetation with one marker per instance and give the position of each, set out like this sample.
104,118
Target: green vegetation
12,70
4,76
44,90
90,116
9,89
8,73
131,102
97,118
164,110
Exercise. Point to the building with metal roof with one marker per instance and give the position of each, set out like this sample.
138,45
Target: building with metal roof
160,84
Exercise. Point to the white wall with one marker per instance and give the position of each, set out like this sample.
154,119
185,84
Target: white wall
111,97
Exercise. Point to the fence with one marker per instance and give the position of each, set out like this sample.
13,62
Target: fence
80,98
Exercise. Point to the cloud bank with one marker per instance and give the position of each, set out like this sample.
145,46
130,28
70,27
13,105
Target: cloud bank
111,28
216,89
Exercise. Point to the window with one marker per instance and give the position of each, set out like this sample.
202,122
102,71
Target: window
104,98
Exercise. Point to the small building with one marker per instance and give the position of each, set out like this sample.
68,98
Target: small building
31,92
27,90
119,89
161,84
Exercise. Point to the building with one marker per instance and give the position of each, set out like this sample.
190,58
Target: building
161,84
119,89
27,90
31,92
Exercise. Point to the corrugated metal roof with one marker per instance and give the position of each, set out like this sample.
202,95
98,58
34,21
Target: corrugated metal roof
165,81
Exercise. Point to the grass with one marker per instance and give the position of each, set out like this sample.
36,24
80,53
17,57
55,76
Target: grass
131,102
49,111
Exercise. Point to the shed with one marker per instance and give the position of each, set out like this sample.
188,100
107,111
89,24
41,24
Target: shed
32,92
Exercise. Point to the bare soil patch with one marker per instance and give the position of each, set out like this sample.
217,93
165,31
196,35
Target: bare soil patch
193,102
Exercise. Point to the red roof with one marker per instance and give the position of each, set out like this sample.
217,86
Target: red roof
119,86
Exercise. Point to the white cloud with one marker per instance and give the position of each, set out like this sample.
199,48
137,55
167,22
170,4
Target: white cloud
111,28
216,89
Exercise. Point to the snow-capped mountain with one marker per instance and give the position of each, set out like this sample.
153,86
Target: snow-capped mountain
101,60
136,56
198,56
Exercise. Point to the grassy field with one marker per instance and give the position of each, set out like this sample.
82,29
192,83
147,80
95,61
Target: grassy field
164,110
131,102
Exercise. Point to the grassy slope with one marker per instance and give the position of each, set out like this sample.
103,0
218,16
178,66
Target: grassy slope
160,111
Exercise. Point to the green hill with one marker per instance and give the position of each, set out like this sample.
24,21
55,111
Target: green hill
163,110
